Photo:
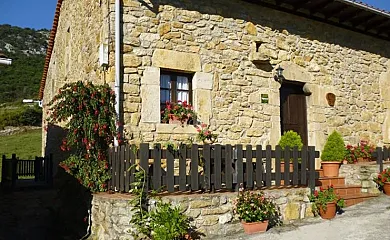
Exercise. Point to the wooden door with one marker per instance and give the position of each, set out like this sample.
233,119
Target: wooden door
293,110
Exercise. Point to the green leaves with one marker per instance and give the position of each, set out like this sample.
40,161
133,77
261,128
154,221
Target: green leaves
334,149
254,207
88,112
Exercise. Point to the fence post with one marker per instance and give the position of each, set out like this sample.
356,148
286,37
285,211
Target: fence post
14,164
312,173
36,169
379,158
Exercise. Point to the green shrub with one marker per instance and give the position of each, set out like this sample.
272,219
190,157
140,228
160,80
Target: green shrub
168,222
89,113
290,139
20,116
334,149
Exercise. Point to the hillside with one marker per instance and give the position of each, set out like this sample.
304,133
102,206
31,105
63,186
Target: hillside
27,48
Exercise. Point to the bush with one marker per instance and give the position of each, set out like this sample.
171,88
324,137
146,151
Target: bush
20,116
334,150
89,114
168,222
290,139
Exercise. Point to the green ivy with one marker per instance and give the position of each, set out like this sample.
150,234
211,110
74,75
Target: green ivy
88,112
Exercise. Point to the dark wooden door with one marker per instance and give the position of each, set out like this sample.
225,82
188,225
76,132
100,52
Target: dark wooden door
293,110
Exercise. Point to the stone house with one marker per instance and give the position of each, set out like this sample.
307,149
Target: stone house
4,60
222,56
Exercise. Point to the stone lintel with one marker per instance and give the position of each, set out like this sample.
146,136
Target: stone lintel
168,59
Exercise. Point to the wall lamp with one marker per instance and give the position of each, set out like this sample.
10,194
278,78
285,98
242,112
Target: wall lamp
279,75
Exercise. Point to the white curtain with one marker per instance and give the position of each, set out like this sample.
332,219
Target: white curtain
182,84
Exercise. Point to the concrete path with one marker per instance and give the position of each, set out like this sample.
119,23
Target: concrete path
368,220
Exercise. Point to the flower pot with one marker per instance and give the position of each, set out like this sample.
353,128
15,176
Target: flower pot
386,188
291,167
175,120
255,227
331,169
363,160
330,211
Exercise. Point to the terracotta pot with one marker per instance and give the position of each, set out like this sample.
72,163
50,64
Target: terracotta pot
330,211
291,168
363,159
255,227
386,188
331,169
175,120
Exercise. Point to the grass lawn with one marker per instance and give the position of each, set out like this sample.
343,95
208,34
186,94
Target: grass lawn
25,145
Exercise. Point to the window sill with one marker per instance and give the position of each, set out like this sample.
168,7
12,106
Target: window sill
175,128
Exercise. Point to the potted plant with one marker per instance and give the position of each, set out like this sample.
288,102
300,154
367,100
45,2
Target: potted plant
290,139
254,211
205,135
383,181
332,155
360,153
180,112
326,202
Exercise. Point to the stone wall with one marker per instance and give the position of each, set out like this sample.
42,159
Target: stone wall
211,213
232,49
82,27
361,174
219,40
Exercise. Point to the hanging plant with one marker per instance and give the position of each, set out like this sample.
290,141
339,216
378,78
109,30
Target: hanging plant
88,112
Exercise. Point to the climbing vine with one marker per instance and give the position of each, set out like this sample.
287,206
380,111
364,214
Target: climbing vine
89,116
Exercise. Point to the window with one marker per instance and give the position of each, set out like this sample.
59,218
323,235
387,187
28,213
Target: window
175,87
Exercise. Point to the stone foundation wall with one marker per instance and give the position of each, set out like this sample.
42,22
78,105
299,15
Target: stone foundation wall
212,214
361,174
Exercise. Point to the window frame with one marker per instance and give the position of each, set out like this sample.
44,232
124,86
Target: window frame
173,91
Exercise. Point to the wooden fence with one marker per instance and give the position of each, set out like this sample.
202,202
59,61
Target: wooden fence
13,169
212,167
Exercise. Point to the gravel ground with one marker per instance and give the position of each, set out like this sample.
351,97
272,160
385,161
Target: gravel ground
364,221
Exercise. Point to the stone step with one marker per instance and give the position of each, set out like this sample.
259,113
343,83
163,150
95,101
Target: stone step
347,190
358,198
320,172
327,181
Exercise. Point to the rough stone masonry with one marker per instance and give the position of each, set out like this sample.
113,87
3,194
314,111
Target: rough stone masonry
231,48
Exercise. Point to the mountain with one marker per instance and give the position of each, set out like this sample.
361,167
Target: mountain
27,49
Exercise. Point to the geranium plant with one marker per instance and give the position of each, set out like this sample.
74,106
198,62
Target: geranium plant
254,207
205,134
362,150
323,197
182,111
88,114
383,177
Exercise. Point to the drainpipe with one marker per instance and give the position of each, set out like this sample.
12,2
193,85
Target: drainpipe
117,64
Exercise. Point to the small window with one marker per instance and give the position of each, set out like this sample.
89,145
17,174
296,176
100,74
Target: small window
175,87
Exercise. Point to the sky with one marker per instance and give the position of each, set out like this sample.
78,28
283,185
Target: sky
39,14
